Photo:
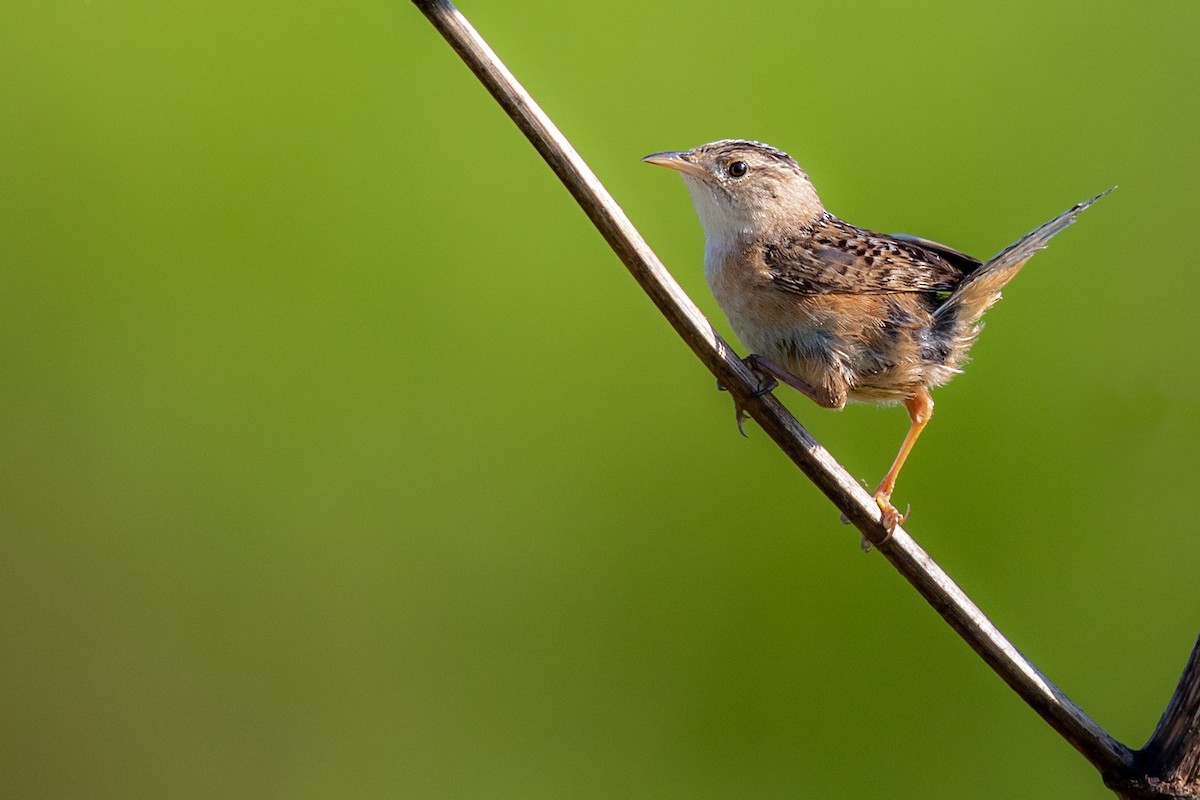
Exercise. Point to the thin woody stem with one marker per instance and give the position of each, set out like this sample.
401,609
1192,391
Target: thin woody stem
1173,752
1103,751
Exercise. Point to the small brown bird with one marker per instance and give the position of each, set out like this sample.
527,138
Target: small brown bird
837,312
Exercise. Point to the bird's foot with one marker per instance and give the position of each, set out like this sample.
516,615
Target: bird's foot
766,382
889,517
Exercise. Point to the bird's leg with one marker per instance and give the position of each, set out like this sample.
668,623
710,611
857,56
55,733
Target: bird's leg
769,374
920,409
761,365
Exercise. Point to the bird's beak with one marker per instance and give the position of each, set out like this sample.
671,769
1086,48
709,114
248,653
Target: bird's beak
676,160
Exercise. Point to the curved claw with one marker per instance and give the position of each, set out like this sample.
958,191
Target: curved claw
767,382
889,518
765,387
740,415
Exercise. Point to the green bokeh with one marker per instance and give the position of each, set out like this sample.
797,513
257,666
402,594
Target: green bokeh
342,459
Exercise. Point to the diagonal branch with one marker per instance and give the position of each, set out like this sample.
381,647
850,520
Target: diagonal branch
1104,752
1169,765
1174,747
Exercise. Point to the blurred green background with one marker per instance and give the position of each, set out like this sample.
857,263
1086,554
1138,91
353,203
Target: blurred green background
342,459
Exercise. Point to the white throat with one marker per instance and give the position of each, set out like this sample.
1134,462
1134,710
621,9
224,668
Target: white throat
724,231
717,217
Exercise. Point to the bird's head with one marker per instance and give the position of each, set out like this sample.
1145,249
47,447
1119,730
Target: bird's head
743,189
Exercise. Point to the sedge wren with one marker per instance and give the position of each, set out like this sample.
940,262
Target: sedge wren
837,312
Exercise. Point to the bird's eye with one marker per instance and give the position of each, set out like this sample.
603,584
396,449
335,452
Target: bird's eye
738,168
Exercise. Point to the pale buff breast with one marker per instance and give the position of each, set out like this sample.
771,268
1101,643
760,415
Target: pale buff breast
817,339
803,334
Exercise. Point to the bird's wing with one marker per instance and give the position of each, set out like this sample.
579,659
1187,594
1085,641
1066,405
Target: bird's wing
964,263
834,257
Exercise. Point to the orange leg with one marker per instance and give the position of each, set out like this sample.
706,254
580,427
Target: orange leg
920,409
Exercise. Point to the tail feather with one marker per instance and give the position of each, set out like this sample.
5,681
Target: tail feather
981,288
